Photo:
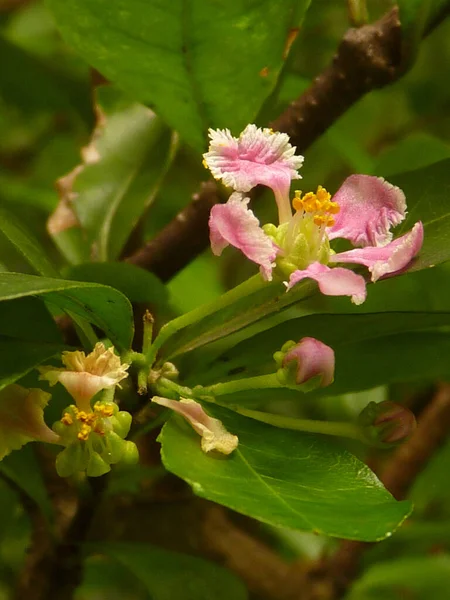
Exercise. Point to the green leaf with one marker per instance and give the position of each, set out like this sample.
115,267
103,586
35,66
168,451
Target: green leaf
414,15
123,167
106,578
420,578
101,305
23,469
26,244
19,357
172,576
33,85
38,326
414,151
285,478
427,191
200,64
138,285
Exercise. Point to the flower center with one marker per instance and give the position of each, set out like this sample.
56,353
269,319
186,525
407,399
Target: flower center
303,239
86,422
318,205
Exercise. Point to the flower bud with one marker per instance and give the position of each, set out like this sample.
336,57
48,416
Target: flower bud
307,361
130,454
387,423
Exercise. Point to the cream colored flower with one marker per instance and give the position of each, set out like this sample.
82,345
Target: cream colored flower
84,376
214,435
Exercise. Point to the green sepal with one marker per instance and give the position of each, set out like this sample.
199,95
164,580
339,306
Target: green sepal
97,466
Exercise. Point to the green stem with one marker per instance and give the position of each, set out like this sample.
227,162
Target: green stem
358,13
244,289
163,385
337,428
148,321
239,385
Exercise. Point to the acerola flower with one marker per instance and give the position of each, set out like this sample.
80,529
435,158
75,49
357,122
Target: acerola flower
363,211
214,435
22,418
94,439
258,156
307,359
84,376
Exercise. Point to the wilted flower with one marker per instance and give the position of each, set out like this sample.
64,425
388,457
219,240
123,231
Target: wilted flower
94,439
214,435
22,418
84,376
363,211
308,359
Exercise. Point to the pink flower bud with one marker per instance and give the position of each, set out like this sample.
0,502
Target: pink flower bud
311,358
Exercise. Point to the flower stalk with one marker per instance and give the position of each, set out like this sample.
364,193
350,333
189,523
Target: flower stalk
334,428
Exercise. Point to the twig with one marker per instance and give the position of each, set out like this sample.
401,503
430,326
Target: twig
182,240
367,58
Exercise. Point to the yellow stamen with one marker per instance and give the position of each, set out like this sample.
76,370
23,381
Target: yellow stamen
83,435
319,204
67,419
105,411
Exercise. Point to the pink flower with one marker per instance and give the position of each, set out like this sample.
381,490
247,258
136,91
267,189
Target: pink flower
213,433
363,211
311,358
258,156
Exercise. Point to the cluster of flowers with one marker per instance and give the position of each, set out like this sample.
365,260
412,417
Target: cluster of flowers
363,210
93,437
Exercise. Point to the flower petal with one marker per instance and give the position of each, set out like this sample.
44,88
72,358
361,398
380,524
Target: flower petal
214,435
313,358
22,418
388,259
259,156
233,223
333,282
369,207
84,376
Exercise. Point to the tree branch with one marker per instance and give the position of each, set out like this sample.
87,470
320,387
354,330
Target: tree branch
367,58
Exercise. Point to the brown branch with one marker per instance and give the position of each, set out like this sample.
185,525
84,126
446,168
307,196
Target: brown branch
182,240
398,476
367,58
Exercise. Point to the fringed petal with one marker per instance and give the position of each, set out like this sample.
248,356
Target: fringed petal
369,207
389,259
